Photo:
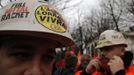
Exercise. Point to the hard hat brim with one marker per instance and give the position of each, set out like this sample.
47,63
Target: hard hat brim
98,47
65,42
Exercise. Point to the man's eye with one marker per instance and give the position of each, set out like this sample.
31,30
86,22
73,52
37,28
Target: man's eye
48,58
21,56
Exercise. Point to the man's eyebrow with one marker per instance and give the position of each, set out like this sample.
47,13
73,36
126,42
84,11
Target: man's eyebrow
23,47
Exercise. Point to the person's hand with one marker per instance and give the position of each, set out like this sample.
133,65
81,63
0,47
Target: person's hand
93,66
116,64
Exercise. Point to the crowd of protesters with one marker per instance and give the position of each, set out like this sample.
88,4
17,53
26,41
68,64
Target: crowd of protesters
112,59
71,64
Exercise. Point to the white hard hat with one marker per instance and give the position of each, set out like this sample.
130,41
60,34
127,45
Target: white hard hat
110,38
34,18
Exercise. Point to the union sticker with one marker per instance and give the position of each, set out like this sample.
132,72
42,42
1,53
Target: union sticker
50,19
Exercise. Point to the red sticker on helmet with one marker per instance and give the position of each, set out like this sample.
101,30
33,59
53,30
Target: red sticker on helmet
16,11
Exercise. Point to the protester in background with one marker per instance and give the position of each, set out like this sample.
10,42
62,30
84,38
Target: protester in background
70,65
84,60
112,46
30,31
127,59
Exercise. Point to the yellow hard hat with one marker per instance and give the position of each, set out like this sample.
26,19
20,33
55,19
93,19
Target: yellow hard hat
109,38
34,18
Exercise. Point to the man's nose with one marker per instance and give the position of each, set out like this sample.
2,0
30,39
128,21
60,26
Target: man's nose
34,69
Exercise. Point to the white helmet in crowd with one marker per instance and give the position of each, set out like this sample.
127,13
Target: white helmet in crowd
110,38
34,18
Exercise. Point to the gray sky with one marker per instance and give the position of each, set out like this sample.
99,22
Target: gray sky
84,7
